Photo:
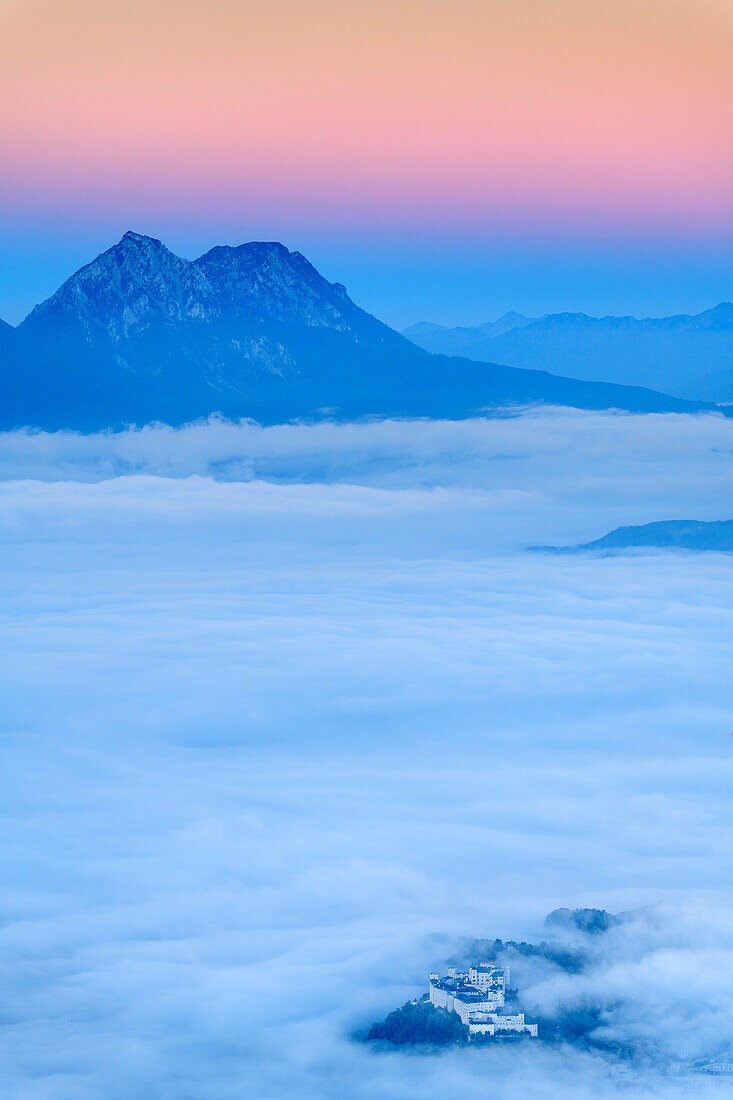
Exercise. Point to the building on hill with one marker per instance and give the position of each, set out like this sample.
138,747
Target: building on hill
478,997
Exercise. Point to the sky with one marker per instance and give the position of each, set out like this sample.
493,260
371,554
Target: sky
446,160
288,712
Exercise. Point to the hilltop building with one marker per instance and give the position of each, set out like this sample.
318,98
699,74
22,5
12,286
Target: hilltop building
478,997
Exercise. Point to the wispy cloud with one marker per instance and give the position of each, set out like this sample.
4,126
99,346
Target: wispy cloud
553,473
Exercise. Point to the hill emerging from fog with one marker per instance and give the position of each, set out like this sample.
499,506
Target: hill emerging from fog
142,335
682,534
688,356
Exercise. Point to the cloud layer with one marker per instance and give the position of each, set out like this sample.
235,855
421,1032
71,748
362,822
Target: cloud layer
287,712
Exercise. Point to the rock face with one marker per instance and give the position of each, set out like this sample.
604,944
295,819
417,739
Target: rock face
140,285
124,291
689,356
141,334
138,305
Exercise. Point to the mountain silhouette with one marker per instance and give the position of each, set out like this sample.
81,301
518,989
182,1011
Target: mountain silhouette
142,335
673,534
688,356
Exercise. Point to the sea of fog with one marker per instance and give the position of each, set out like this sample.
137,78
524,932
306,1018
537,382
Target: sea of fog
288,711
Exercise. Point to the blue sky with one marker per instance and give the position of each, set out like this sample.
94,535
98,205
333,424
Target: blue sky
403,278
446,160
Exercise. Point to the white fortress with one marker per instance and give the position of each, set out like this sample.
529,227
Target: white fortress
477,996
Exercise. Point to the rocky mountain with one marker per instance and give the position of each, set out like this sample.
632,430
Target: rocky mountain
683,534
688,356
141,334
139,286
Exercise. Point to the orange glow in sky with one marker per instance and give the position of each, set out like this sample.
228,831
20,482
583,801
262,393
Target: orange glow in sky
576,110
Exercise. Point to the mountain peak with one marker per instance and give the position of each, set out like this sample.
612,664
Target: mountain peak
124,288
140,334
131,235
267,277
140,295
131,239
506,323
249,248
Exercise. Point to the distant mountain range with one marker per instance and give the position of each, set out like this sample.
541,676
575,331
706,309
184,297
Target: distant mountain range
683,534
254,331
471,342
688,356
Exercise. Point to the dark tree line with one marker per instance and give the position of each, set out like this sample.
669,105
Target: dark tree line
419,1024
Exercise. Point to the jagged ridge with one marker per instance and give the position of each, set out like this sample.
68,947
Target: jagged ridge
141,334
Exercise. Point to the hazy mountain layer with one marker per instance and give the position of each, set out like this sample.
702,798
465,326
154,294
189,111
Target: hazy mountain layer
689,356
471,342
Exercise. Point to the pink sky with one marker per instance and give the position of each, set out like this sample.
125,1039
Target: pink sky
462,113
447,159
